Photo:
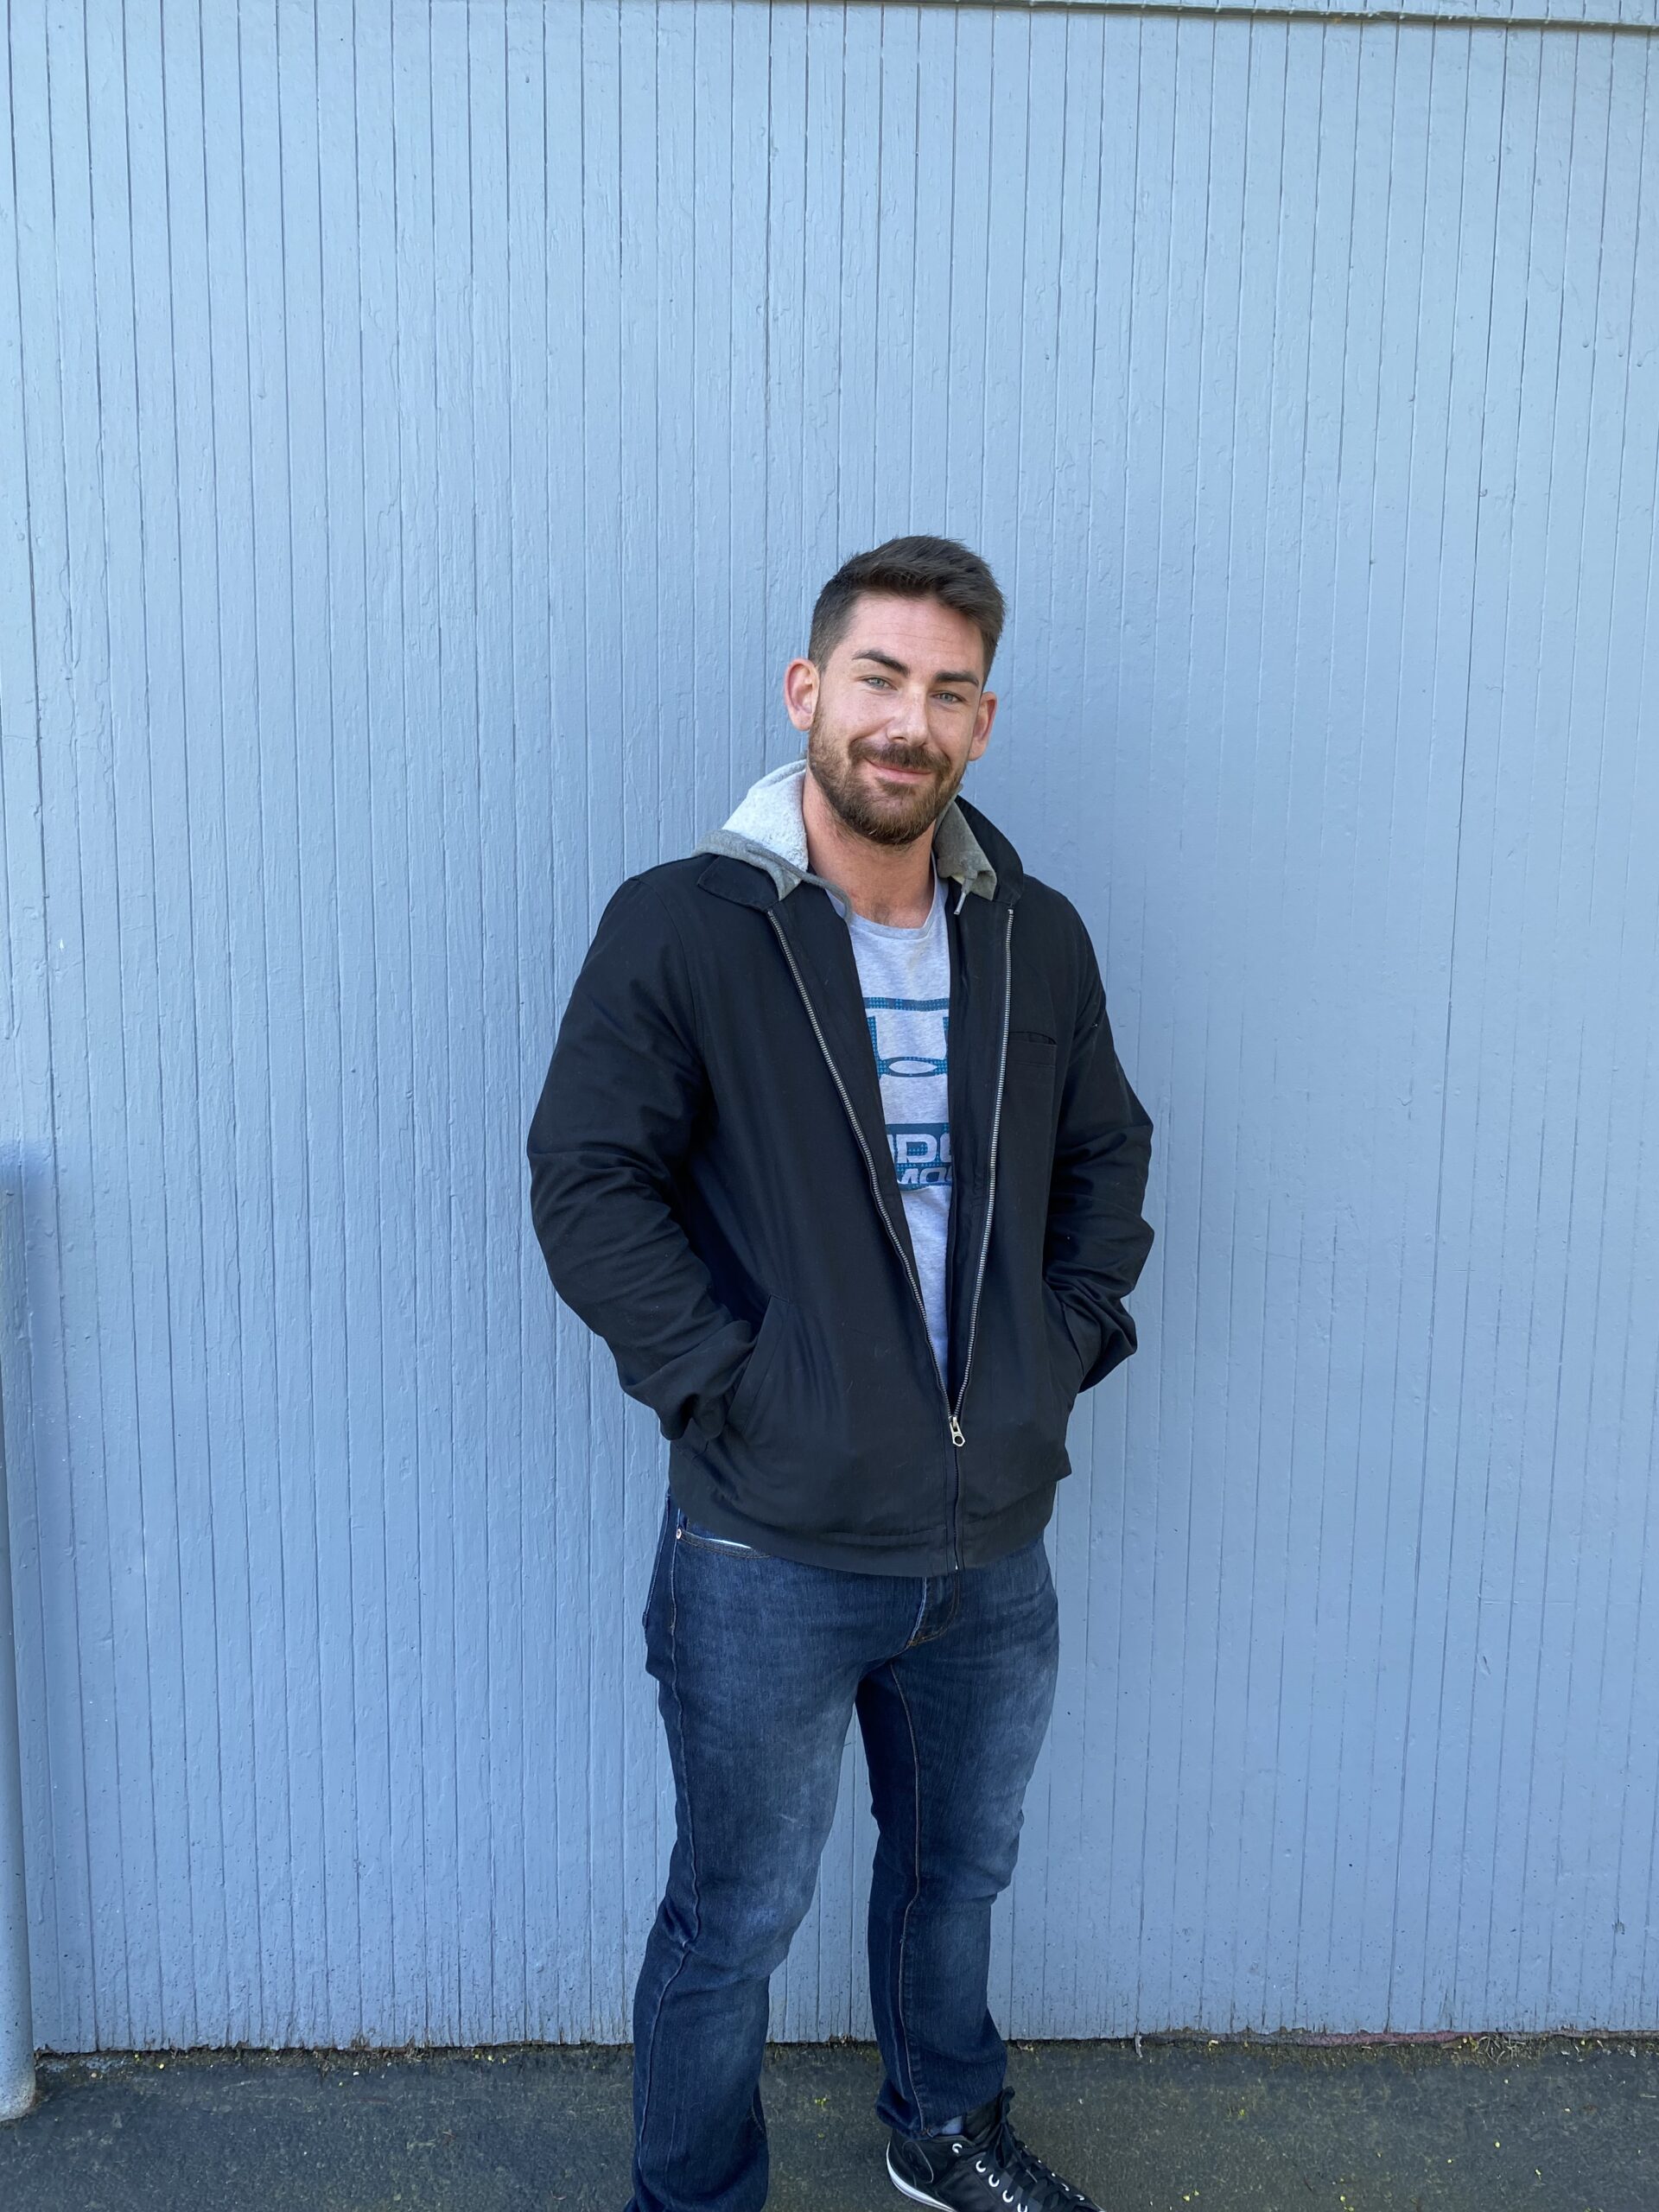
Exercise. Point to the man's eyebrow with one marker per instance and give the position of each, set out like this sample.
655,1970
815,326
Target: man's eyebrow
945,676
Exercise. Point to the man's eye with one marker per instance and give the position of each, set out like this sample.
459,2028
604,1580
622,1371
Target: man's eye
950,698
878,679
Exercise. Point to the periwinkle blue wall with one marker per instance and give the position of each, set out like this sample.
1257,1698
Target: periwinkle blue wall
422,431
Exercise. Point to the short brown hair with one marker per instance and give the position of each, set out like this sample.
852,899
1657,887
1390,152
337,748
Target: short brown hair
910,568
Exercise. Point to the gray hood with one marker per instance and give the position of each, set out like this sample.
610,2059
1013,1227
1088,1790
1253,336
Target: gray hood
767,829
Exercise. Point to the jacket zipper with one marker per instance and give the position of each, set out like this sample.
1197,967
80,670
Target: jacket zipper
952,1412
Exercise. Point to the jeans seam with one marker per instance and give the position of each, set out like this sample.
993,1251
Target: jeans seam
921,1615
690,1852
939,1628
915,1893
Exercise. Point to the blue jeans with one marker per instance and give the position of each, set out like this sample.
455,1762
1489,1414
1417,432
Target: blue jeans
760,1664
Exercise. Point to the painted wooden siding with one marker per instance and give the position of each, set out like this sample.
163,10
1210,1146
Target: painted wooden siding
422,428
1632,14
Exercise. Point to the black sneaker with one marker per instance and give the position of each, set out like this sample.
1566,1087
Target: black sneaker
985,2166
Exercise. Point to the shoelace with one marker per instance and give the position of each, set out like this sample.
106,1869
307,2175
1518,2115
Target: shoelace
984,2162
1006,2158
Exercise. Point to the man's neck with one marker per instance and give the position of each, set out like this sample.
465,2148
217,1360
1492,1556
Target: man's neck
889,884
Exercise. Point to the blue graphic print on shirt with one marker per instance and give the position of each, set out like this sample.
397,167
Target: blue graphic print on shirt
909,1039
921,1154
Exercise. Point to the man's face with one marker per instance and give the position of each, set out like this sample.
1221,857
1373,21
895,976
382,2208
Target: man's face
894,717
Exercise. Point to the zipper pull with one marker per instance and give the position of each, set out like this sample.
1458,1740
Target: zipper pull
956,1436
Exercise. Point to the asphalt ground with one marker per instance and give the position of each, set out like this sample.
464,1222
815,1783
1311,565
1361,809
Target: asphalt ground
1552,2124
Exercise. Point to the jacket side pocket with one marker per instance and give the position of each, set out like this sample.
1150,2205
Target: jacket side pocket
760,1360
1064,1358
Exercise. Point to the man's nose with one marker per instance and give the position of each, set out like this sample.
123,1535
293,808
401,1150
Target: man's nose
909,717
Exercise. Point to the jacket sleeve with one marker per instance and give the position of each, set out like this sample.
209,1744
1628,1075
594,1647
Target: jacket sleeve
1098,1240
615,1121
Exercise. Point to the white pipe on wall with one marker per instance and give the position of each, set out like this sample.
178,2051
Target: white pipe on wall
16,2017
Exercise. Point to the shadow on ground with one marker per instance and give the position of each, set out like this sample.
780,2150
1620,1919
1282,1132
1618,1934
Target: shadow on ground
1556,2125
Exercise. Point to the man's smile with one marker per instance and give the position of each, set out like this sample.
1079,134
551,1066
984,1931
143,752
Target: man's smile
891,768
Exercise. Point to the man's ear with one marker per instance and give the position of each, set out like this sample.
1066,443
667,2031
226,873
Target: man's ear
801,692
982,720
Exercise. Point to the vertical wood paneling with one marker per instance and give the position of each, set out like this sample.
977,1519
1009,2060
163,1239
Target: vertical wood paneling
422,427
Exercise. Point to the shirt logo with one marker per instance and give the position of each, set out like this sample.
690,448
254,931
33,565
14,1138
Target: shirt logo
921,1155
928,1025
909,1039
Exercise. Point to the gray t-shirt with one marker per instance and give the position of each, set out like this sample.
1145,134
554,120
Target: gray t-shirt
904,975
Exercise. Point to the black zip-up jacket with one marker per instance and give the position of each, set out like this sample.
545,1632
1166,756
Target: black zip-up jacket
711,1184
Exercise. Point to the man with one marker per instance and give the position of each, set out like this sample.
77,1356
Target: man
836,1154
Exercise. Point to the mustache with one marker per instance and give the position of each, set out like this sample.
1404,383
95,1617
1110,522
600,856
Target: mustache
897,756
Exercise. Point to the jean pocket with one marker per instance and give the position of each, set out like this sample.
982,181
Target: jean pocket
705,1540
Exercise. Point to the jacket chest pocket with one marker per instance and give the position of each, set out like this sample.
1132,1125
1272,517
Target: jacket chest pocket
1031,1101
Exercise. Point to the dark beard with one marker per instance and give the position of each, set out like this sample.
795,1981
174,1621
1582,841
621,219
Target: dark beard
896,822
